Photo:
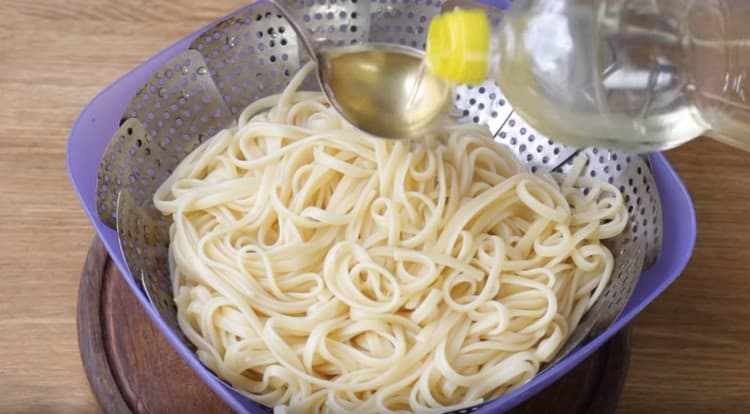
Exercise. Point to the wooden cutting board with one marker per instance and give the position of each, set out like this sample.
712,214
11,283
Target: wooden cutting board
132,368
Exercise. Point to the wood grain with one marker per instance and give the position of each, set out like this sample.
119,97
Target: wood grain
691,347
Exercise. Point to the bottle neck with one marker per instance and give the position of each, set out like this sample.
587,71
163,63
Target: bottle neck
494,56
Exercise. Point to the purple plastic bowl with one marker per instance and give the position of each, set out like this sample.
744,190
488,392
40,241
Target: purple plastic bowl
99,120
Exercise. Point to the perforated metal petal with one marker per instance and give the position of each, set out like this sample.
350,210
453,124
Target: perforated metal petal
402,21
176,110
252,55
483,104
332,23
144,239
533,148
124,158
180,106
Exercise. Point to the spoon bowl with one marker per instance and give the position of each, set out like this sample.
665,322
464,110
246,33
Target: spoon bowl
384,89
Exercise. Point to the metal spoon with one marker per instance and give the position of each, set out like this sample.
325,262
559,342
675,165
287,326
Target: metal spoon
382,89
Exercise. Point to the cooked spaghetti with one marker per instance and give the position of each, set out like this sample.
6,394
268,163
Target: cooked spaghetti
317,269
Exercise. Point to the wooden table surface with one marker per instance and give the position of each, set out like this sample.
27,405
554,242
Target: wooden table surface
691,347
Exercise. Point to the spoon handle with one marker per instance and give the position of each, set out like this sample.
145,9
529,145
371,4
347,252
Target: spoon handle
298,29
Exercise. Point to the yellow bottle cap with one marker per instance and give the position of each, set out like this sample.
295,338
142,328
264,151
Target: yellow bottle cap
458,45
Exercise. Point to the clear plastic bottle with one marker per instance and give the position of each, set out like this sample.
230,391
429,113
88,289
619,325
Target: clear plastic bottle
638,75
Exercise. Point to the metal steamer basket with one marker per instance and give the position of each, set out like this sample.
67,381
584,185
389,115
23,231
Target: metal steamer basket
171,104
